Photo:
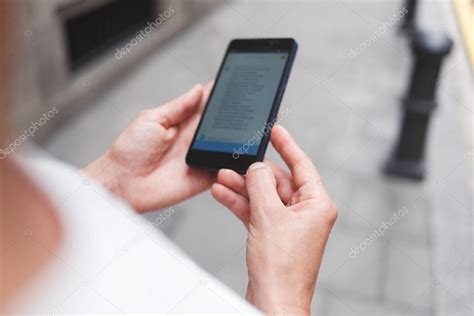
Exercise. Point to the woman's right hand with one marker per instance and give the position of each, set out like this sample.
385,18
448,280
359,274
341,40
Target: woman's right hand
289,218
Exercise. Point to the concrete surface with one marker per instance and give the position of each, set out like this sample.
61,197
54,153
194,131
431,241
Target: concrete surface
345,114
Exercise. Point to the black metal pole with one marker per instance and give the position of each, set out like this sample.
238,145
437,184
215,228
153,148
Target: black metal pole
407,159
409,20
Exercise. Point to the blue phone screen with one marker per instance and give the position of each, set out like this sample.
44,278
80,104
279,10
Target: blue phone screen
236,117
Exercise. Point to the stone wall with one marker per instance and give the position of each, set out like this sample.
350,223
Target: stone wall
44,77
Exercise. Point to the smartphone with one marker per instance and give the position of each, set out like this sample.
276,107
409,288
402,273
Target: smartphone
235,126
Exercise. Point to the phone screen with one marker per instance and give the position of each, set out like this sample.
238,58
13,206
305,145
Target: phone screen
241,102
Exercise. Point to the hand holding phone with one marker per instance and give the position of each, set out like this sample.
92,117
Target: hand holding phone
290,216
235,126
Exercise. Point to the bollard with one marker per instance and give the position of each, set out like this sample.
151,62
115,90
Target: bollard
407,159
409,20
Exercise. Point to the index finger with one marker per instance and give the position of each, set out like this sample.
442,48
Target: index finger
205,94
302,168
179,108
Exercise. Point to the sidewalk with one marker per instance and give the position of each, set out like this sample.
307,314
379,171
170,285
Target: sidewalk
345,115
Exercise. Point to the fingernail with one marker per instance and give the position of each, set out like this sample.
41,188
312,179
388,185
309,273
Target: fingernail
257,165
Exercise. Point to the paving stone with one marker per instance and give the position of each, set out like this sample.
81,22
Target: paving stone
344,306
210,234
409,275
351,273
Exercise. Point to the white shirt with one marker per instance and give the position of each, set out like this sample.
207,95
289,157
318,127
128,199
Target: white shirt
111,260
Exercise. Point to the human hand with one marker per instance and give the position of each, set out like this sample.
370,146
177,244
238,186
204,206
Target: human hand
146,164
289,218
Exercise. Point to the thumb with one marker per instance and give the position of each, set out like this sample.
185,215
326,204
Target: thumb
182,107
261,188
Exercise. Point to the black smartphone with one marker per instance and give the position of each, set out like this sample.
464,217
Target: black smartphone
235,126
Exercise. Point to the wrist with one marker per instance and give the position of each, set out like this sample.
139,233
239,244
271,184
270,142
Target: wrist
278,299
105,171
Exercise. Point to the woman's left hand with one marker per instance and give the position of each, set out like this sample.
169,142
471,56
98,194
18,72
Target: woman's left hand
146,164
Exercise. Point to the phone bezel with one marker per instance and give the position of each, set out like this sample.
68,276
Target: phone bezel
213,160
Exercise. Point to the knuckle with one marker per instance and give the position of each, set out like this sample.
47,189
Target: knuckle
331,213
232,202
328,211
302,162
145,113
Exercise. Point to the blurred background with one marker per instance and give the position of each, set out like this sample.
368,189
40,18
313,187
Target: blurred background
98,64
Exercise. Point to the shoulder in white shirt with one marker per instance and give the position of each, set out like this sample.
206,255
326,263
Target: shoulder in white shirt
111,260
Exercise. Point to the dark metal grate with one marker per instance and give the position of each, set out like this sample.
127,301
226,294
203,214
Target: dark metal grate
92,33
